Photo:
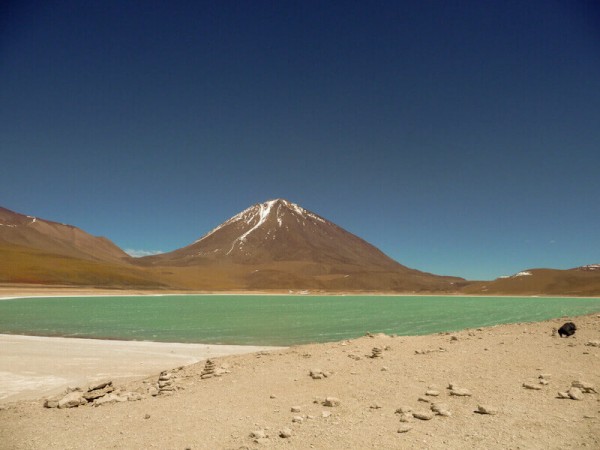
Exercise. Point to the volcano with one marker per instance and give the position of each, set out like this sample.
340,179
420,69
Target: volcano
278,244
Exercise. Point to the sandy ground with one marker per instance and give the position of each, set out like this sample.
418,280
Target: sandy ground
31,367
271,391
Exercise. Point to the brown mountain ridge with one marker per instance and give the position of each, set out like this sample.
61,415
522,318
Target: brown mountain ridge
275,245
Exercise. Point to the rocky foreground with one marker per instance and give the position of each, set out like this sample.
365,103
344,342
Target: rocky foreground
510,386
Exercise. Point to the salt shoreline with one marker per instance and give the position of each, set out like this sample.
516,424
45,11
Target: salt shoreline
35,366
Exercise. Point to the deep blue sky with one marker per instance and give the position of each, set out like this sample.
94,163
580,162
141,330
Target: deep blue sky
459,137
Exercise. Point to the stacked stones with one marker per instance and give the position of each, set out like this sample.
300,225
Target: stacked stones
375,353
96,395
209,369
165,383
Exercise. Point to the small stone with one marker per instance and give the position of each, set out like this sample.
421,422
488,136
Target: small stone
331,402
325,414
384,369
484,409
575,393
375,406
147,416
51,403
100,385
460,392
406,417
423,415
285,433
533,387
545,376
454,338
295,409
258,434
441,409
404,428
544,382
403,410
593,343
423,399
432,393
317,374
297,419
72,400
563,395
587,388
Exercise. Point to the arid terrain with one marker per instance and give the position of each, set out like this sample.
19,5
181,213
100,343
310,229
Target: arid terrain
273,246
372,392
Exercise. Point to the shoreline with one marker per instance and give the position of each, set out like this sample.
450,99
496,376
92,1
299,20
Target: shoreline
35,366
265,392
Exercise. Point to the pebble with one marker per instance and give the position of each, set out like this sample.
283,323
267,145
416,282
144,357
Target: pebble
441,409
460,392
285,433
587,388
484,409
406,417
403,410
532,386
404,428
297,419
295,409
575,393
331,402
325,414
423,415
258,434
432,393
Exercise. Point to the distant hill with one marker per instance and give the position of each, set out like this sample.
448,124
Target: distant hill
34,250
56,238
584,281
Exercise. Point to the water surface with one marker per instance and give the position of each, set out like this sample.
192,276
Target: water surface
272,319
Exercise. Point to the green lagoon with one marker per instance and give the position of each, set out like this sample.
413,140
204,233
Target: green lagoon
271,319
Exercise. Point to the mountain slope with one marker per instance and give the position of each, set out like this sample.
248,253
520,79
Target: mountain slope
38,251
579,281
278,244
56,238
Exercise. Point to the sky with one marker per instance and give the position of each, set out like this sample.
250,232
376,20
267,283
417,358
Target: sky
459,137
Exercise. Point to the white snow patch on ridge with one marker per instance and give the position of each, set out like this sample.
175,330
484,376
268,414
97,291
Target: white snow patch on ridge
522,274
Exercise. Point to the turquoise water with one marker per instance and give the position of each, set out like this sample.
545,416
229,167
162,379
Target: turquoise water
271,320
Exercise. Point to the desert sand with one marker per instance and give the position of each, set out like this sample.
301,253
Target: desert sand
511,374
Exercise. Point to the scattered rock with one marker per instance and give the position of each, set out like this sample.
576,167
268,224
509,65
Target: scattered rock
404,410
423,399
585,387
563,394
441,409
147,416
331,402
285,433
72,400
326,414
297,419
432,393
295,409
460,392
454,338
575,393
544,382
51,402
318,374
406,417
485,409
404,428
109,398
593,343
258,434
533,387
423,415
375,406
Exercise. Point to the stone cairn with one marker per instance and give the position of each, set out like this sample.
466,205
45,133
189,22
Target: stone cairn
375,353
165,383
209,369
